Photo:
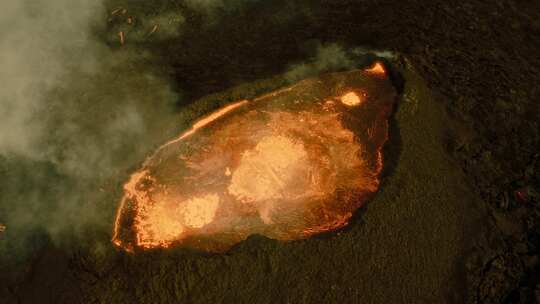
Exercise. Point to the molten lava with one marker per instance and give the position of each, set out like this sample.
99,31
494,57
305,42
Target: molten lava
352,99
377,69
287,165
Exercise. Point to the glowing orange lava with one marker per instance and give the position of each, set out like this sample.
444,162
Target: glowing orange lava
352,99
207,120
377,68
287,165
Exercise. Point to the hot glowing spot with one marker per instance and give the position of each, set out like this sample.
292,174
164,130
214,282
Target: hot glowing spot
351,99
200,211
162,224
377,69
288,164
265,171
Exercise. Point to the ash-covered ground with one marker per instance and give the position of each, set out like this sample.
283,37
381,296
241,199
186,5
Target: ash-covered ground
88,92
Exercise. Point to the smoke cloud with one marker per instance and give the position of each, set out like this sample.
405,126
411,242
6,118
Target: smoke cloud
79,111
328,57
333,57
80,107
35,43
75,115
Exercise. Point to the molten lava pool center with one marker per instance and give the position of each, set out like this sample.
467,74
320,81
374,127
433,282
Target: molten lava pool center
287,165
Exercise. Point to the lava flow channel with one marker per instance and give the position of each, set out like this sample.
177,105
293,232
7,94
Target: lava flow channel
287,165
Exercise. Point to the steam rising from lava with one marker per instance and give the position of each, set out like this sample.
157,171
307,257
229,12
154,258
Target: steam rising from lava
78,108
287,165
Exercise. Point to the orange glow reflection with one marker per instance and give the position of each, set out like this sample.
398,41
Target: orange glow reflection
287,165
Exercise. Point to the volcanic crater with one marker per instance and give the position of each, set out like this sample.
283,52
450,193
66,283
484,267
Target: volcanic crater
288,165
